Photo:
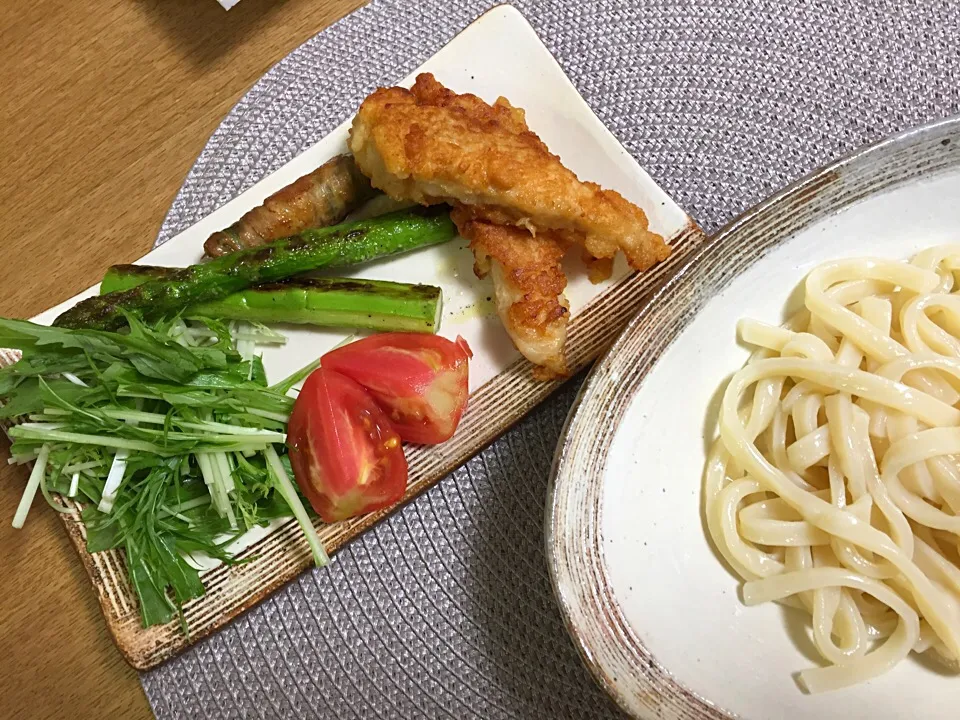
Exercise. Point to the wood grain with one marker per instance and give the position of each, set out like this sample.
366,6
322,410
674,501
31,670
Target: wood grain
106,105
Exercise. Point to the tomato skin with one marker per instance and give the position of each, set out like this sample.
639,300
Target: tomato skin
346,455
421,381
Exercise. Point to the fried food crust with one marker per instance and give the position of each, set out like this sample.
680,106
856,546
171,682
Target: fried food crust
529,283
431,145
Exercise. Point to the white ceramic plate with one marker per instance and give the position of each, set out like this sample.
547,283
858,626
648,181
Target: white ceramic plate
655,614
499,54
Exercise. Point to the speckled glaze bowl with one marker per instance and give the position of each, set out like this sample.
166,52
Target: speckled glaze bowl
655,615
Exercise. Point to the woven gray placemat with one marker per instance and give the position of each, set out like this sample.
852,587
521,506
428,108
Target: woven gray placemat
445,610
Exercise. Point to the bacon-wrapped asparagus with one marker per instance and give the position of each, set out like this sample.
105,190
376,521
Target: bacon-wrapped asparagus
324,197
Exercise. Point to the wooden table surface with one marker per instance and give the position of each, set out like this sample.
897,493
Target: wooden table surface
105,106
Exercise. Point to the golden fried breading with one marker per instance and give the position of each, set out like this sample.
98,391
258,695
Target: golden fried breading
431,145
529,283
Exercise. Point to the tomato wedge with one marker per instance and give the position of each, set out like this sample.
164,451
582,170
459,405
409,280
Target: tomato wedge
345,454
419,380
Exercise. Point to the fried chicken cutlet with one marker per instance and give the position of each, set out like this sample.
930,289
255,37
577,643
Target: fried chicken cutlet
431,145
528,284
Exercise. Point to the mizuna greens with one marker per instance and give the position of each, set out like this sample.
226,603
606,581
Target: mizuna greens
172,442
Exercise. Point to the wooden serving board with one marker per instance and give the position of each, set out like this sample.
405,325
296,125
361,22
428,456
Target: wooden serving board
499,54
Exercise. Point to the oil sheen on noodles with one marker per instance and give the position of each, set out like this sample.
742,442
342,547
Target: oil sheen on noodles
835,484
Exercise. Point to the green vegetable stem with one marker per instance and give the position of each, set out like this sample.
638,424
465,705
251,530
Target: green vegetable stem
332,302
331,247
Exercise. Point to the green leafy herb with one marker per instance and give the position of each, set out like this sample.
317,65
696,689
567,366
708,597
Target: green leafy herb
166,437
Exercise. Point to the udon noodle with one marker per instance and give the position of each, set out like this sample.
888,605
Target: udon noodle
835,484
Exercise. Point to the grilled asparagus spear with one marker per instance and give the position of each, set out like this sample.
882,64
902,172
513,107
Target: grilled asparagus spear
333,302
337,246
